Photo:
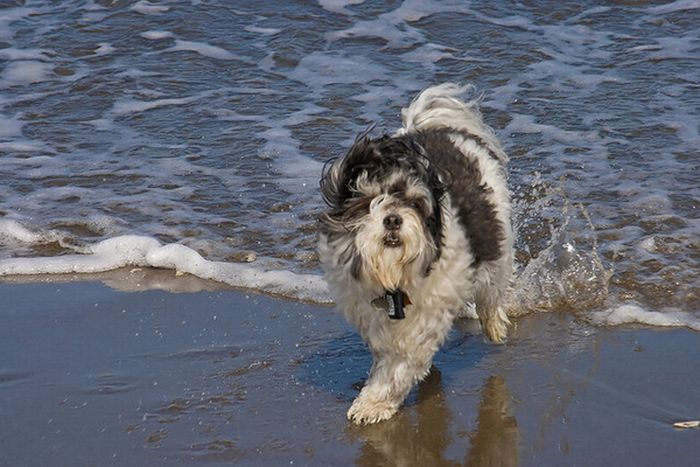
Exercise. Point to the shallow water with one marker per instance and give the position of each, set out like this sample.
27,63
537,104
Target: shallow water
93,376
206,125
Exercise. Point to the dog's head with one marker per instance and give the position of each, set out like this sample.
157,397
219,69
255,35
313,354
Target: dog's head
385,219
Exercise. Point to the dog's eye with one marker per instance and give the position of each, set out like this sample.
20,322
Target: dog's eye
417,205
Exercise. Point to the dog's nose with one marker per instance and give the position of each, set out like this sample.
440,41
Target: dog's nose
393,222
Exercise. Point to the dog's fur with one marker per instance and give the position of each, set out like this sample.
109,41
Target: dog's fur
443,174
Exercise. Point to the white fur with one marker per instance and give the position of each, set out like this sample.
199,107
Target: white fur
403,349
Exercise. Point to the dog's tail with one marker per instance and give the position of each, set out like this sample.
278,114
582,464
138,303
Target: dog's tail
441,107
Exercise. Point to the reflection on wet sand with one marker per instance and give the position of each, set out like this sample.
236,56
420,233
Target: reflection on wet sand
495,442
421,435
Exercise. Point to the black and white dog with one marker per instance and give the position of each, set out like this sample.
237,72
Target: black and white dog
418,226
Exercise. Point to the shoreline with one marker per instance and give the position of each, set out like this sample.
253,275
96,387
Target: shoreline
95,375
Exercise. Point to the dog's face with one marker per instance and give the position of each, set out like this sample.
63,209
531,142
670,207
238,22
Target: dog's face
385,219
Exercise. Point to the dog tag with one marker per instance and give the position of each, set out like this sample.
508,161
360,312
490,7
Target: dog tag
394,301
380,303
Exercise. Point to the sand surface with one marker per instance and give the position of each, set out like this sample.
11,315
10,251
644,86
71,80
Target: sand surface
94,376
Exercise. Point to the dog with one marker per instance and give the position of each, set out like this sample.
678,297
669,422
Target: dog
418,227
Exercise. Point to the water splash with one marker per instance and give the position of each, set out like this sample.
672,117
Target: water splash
561,271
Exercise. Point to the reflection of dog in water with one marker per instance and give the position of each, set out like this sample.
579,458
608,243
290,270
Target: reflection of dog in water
418,225
495,442
424,440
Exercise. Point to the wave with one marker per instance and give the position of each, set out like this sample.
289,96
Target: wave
142,251
563,276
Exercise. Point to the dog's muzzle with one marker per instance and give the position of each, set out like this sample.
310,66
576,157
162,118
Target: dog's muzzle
392,225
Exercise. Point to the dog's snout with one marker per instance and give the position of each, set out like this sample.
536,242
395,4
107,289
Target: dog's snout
393,222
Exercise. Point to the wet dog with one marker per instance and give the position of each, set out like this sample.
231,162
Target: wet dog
418,226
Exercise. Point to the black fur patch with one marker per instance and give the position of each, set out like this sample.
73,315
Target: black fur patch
361,157
469,193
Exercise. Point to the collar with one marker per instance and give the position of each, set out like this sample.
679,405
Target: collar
393,303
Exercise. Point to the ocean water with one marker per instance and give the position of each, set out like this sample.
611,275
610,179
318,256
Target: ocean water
191,136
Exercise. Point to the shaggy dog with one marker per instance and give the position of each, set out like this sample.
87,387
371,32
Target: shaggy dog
418,226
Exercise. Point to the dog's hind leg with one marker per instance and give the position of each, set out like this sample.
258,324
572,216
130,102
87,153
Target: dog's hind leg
493,318
491,286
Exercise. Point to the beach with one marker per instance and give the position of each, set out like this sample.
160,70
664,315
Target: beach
107,370
162,295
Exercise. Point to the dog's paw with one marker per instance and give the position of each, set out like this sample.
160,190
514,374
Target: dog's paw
496,327
365,411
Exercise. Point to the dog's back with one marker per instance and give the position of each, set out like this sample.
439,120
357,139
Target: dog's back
452,130
473,164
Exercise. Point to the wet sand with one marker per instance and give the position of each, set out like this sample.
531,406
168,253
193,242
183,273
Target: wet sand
90,375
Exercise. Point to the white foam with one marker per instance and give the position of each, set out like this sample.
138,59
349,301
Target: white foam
201,48
102,124
10,127
140,251
129,106
590,12
15,235
23,72
90,5
433,53
319,69
264,31
299,172
23,146
666,48
11,230
526,124
135,73
678,5
93,17
10,15
157,35
58,194
148,8
648,244
338,6
104,49
11,53
656,202
687,130
634,314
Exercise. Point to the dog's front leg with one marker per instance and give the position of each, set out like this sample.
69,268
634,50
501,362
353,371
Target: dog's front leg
390,380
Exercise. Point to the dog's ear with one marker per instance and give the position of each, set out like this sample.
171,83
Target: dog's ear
437,181
340,174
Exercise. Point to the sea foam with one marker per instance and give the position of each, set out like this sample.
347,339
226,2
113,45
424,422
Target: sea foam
148,8
201,48
24,72
630,313
141,251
